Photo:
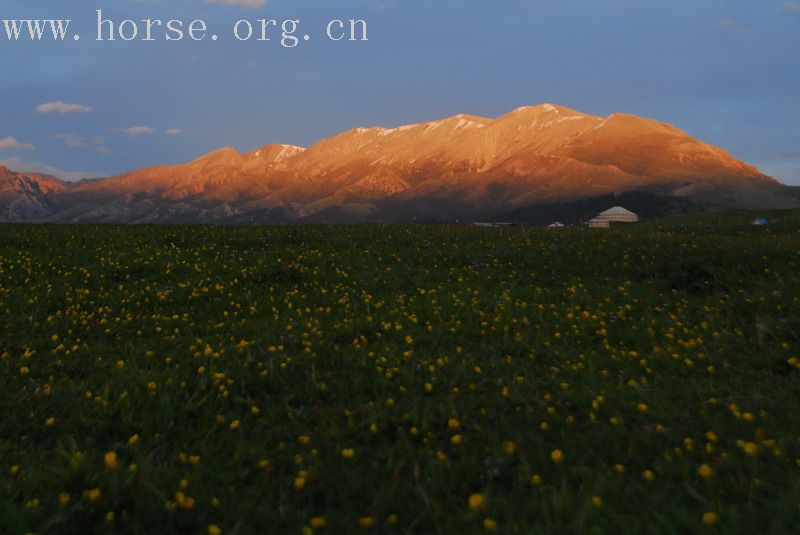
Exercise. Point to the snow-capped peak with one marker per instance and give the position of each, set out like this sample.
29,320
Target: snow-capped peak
390,131
287,151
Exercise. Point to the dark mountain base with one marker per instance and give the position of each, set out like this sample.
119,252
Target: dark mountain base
646,204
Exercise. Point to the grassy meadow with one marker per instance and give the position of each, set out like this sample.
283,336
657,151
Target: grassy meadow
401,379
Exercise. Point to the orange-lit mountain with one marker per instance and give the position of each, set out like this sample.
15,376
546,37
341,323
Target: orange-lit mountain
457,168
27,196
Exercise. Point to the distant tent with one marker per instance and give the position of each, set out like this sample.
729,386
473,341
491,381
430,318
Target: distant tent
760,222
556,224
618,214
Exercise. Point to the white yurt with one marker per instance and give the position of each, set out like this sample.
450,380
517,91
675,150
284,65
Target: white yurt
617,214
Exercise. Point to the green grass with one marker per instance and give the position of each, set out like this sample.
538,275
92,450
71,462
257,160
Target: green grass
661,347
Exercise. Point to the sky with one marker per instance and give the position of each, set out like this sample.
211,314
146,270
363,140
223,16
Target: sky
724,71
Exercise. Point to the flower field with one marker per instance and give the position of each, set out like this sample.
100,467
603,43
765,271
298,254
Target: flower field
408,379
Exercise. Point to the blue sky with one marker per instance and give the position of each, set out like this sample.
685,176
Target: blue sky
726,71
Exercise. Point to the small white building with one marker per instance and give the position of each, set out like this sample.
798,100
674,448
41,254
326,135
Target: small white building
618,214
556,224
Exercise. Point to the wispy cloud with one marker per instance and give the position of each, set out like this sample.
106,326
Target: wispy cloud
11,143
792,8
135,131
173,131
61,108
240,3
730,26
79,143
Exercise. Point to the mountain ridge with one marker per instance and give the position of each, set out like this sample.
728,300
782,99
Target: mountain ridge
458,167
27,196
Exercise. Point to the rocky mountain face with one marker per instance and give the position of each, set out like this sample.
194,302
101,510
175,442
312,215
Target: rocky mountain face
27,196
462,167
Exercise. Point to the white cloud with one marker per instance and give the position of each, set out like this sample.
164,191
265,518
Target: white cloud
20,165
241,3
173,131
138,131
62,108
11,143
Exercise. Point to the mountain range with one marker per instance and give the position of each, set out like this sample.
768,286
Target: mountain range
460,168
